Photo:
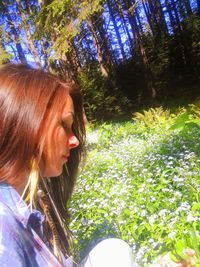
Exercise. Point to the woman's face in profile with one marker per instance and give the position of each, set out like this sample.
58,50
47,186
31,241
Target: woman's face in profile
59,141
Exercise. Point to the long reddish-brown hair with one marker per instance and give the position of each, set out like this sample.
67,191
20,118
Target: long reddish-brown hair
26,97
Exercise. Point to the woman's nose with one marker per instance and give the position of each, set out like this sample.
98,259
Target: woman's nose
72,141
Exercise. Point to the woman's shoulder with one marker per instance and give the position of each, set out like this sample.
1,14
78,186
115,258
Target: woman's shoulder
11,246
5,211
7,217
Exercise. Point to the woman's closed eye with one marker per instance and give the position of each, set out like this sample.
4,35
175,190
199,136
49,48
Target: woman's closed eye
67,122
65,126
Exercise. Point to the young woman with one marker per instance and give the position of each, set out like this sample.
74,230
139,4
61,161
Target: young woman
41,136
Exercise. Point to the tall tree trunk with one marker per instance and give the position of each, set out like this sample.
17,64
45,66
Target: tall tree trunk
99,50
171,16
75,57
183,53
86,53
187,7
147,69
153,17
104,40
72,63
148,16
122,16
28,32
131,7
178,23
184,8
47,64
198,7
116,30
138,21
161,18
158,19
133,16
182,11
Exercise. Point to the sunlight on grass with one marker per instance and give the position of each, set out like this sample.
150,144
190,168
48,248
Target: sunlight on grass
140,183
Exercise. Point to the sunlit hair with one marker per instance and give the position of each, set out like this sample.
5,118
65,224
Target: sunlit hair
28,99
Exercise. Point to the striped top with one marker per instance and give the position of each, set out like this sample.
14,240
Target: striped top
21,243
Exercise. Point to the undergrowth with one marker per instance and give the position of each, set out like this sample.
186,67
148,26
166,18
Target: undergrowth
141,183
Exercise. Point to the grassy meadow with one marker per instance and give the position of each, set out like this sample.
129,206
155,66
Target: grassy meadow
141,183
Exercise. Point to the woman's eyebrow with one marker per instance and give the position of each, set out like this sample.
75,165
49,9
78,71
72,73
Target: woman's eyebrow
72,113
69,115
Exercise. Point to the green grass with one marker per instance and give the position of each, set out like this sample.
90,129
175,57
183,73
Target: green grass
141,182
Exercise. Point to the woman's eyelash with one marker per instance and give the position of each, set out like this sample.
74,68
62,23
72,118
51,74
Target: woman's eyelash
64,125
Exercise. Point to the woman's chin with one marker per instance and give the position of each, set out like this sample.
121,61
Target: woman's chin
52,173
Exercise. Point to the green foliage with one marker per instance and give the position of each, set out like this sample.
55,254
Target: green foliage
192,32
159,57
191,241
102,99
66,17
141,183
187,117
160,117
152,117
4,56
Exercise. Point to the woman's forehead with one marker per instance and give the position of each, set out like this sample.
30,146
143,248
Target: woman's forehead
68,106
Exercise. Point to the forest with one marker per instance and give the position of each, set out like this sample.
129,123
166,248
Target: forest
125,54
